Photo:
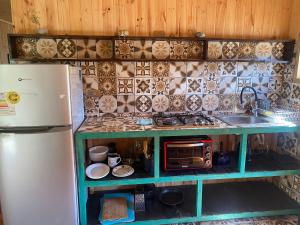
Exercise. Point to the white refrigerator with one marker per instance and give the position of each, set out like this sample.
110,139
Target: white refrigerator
41,106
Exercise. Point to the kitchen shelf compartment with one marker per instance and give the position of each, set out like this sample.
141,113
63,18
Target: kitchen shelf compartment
131,148
220,145
154,209
272,161
267,152
245,197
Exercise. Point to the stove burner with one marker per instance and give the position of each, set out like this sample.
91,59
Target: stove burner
169,121
198,119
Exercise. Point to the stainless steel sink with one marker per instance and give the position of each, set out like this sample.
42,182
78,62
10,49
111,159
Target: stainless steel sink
244,119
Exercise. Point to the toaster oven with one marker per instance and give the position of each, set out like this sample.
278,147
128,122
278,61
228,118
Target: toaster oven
187,153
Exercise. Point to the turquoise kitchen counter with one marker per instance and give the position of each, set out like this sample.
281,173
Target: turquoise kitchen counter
125,127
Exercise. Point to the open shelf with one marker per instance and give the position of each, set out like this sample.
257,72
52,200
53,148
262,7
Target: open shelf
154,209
272,161
139,173
245,197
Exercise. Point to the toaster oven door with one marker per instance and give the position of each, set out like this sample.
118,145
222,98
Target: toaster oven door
184,155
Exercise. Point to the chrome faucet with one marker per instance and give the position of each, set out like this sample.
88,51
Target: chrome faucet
254,111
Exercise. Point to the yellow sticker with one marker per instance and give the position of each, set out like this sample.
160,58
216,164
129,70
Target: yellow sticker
13,97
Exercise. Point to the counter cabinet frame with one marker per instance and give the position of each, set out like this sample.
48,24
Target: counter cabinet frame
84,184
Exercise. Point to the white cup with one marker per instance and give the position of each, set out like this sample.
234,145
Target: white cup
113,159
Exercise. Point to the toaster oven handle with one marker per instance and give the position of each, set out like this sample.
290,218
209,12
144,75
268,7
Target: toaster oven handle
185,145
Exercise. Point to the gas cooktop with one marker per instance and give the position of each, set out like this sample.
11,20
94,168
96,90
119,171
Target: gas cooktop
184,119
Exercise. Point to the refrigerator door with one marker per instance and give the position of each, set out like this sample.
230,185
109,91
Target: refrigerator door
34,95
37,181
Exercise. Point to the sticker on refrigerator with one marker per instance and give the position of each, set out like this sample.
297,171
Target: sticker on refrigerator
13,97
6,108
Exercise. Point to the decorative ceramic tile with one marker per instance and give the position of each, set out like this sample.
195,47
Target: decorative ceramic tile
106,69
143,49
66,48
177,69
228,84
261,84
108,86
229,69
143,86
242,82
126,103
245,69
278,69
104,49
195,49
88,68
46,48
288,73
286,90
296,91
263,50
177,103
247,50
196,69
274,98
86,49
230,50
71,63
143,69
194,85
90,85
143,103
210,102
125,86
91,105
177,86
262,69
125,69
178,49
214,50
160,86
213,69
275,84
160,69
277,50
160,103
227,102
161,49
26,47
126,114
124,49
262,95
248,100
108,104
193,102
211,85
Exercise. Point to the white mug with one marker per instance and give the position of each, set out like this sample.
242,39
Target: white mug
113,159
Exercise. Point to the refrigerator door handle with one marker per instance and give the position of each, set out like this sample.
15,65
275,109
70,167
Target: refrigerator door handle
26,130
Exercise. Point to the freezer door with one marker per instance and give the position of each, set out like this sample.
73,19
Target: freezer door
40,95
37,179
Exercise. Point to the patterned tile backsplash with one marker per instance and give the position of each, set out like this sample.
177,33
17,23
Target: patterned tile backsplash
149,75
163,86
